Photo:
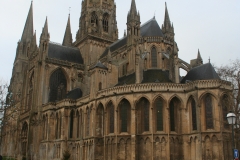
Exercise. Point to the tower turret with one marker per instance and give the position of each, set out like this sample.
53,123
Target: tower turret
67,40
167,27
133,24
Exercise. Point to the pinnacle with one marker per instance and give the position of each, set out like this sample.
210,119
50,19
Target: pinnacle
28,28
67,40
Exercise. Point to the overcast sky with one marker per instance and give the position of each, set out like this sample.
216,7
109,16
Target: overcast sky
212,26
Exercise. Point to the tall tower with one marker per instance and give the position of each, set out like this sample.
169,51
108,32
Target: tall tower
26,45
133,24
97,28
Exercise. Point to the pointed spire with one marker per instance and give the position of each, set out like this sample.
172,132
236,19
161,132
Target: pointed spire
28,28
167,22
199,55
133,9
45,34
67,40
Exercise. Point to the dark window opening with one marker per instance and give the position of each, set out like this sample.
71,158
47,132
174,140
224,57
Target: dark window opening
194,115
154,57
159,114
208,112
105,22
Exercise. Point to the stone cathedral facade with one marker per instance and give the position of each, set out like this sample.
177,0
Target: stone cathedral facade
104,98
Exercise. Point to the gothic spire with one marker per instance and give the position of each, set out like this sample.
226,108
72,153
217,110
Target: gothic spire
199,55
28,28
67,40
167,22
45,34
133,14
34,41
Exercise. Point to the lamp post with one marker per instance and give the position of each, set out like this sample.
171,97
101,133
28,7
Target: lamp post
231,117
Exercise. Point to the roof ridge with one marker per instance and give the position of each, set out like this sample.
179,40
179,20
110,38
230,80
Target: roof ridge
59,44
147,22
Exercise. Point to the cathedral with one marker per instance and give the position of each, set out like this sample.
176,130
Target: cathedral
101,97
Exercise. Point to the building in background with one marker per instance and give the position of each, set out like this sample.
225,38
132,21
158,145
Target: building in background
100,97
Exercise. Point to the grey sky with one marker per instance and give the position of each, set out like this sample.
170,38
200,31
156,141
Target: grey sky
210,25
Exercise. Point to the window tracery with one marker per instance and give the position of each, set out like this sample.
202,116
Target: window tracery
124,107
58,86
159,114
208,111
154,57
105,22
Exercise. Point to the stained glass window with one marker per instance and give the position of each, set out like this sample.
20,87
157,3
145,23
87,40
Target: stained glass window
124,115
58,86
208,112
99,120
71,124
172,116
194,115
111,117
154,57
159,114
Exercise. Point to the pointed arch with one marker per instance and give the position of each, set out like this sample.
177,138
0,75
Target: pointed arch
110,116
174,106
158,113
105,22
24,135
87,121
142,108
100,120
94,19
58,85
193,112
71,124
208,106
124,115
154,56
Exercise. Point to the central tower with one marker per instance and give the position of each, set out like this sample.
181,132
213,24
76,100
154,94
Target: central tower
97,25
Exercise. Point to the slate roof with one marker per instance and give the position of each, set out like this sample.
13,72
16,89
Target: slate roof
74,94
70,54
99,65
148,29
202,72
149,76
151,29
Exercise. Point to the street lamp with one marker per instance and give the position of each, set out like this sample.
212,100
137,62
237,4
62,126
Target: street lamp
231,117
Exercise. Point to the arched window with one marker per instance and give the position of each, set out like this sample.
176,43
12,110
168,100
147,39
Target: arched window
71,122
87,121
99,120
78,124
30,92
105,22
110,108
24,137
154,57
58,86
174,105
124,115
94,19
56,125
194,114
159,114
225,102
208,111
142,115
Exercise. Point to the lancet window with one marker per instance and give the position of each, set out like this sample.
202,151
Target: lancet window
110,108
208,111
124,107
159,114
105,22
71,123
154,57
94,19
194,114
143,115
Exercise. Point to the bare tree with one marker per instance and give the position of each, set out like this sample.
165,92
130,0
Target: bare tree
231,73
3,94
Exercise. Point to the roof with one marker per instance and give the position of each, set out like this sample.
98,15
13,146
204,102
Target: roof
99,65
70,54
148,29
202,72
151,29
155,76
74,94
149,76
